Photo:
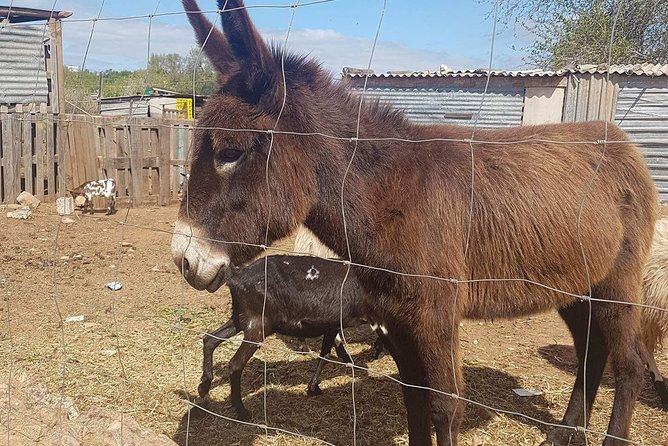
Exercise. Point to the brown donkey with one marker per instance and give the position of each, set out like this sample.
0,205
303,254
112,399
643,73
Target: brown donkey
567,215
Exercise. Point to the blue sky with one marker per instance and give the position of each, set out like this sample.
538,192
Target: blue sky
415,35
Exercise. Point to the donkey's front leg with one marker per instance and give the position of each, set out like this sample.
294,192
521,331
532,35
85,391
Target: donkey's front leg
437,342
416,399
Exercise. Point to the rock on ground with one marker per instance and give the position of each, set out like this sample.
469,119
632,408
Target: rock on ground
27,199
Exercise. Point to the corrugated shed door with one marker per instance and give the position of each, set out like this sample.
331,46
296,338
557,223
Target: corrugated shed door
22,64
642,111
456,105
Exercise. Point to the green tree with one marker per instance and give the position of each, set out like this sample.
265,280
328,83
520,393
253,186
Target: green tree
570,32
170,71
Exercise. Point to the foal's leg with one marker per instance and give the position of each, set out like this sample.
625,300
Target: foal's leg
576,317
341,351
252,338
327,343
210,342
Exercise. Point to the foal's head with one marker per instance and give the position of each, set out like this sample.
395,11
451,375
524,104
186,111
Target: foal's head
228,203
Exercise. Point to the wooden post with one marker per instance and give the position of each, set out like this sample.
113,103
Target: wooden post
27,152
57,69
15,160
40,140
164,139
7,158
137,194
50,154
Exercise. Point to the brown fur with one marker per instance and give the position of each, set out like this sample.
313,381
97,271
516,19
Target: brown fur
407,208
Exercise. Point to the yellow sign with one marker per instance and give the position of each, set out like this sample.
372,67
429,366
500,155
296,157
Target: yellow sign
185,105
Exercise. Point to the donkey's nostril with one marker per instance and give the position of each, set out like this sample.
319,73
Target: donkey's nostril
185,267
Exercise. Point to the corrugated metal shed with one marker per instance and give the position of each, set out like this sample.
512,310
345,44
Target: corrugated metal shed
124,105
23,69
635,69
642,111
455,105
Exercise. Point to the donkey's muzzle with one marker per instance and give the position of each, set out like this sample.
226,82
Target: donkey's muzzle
201,262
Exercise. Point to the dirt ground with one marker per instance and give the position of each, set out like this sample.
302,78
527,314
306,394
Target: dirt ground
138,350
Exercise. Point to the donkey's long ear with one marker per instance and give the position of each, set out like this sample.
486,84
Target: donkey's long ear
212,41
243,37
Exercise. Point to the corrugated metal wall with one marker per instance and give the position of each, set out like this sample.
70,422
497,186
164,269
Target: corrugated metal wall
642,111
22,64
456,105
123,107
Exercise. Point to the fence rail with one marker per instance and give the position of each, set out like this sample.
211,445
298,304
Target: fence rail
46,155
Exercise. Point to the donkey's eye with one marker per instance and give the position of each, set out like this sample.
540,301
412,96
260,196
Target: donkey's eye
229,155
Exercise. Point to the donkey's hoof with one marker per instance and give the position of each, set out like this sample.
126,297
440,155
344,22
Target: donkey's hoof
203,388
314,391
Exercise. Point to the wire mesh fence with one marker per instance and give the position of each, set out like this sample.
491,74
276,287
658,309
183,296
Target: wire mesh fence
137,349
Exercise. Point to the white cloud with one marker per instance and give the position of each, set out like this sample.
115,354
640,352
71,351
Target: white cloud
123,45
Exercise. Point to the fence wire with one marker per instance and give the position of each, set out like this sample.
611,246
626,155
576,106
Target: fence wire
126,379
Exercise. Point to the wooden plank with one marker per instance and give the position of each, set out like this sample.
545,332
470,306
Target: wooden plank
582,99
27,153
40,148
72,153
594,102
123,163
14,167
92,171
99,148
59,146
50,154
136,152
164,169
144,143
6,157
174,150
155,151
57,68
121,183
607,110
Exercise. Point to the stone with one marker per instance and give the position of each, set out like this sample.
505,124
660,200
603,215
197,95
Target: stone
23,213
65,205
68,220
28,199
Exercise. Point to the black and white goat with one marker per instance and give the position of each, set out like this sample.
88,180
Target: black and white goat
97,188
303,301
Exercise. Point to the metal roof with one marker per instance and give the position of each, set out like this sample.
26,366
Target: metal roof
19,15
645,69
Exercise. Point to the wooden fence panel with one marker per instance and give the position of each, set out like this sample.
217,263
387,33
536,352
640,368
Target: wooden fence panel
26,156
46,155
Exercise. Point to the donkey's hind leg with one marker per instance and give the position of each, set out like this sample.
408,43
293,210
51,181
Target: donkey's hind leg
619,327
591,362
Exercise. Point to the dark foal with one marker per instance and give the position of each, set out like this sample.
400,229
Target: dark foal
303,300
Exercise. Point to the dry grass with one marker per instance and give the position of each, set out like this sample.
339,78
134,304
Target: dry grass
152,367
